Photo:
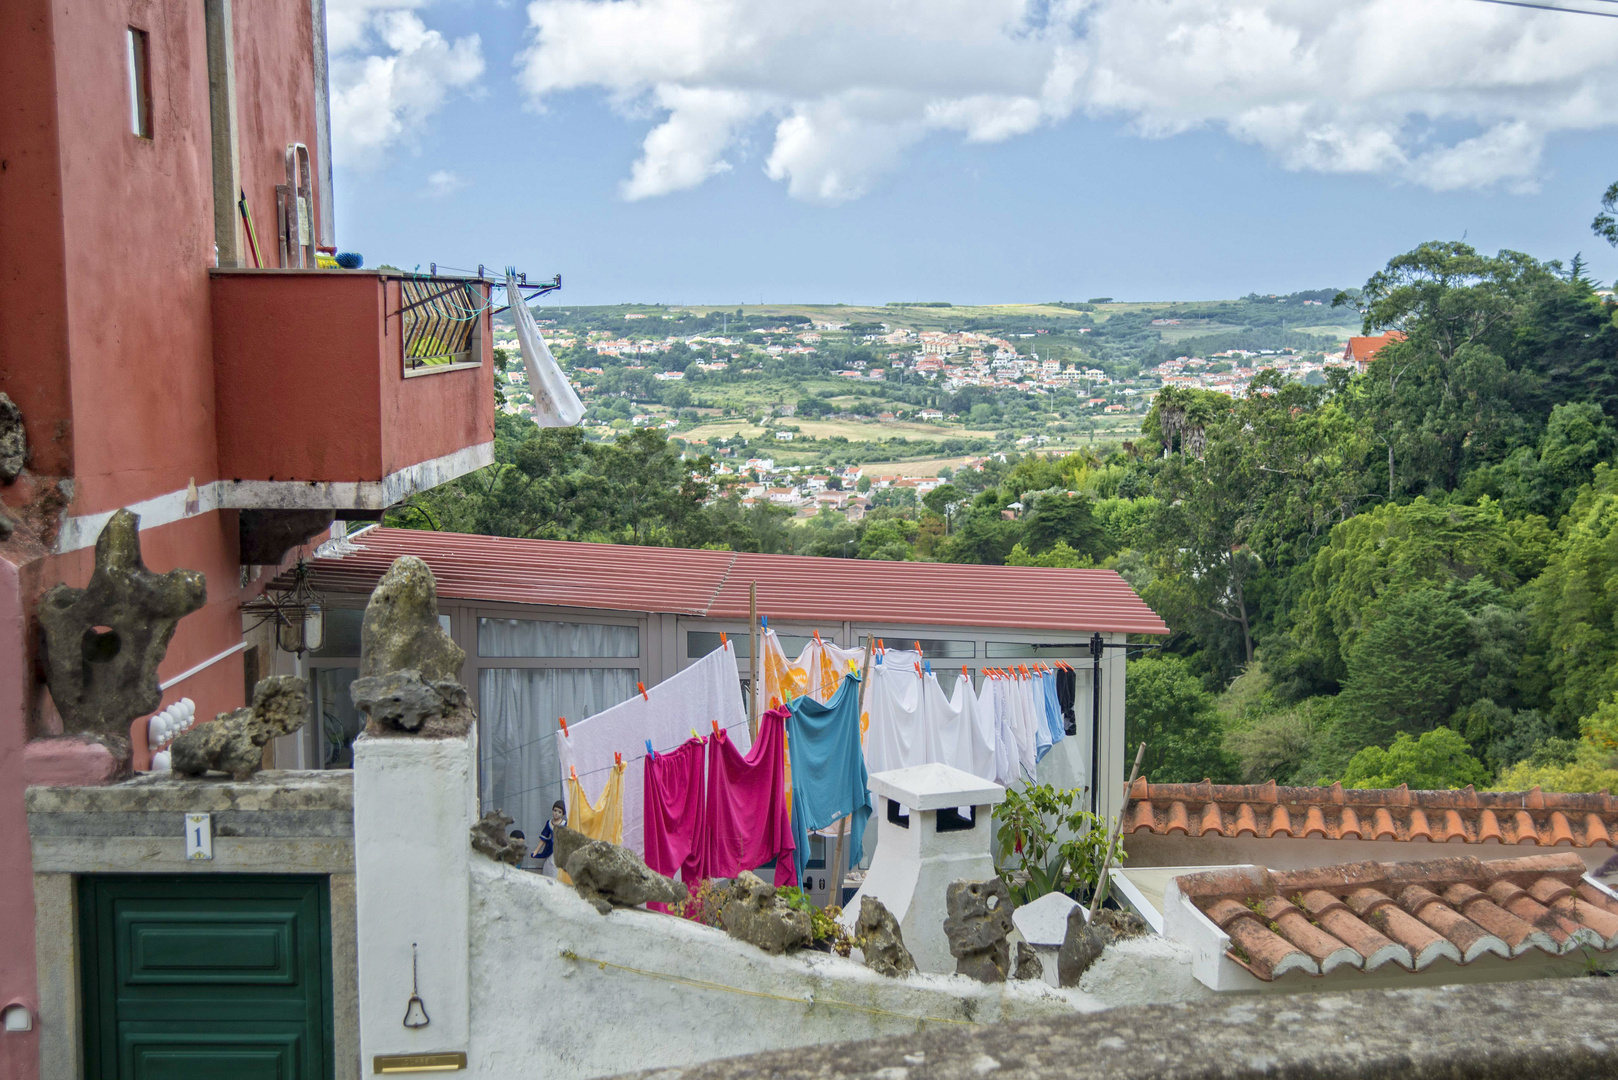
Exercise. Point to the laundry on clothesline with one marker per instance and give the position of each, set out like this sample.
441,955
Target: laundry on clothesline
747,823
828,767
708,691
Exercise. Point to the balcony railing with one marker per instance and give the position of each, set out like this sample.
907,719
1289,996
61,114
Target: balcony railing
439,318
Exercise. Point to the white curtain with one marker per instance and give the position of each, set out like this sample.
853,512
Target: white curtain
518,710
528,637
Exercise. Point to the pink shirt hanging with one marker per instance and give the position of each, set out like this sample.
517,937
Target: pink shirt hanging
748,819
674,810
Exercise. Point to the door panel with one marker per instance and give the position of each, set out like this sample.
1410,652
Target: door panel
197,977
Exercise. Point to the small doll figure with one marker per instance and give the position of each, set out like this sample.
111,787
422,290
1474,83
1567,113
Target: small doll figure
547,838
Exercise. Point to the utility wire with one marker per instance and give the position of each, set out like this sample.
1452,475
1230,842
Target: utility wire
1549,7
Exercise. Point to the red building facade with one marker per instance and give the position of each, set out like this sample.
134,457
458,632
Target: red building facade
167,358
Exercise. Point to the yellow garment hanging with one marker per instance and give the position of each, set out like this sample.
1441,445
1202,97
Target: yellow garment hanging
605,820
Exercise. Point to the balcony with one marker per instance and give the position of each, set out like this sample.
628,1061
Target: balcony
348,391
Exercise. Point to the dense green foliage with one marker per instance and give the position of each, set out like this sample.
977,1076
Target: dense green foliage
1403,576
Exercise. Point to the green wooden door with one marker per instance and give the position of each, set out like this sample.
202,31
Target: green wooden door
206,977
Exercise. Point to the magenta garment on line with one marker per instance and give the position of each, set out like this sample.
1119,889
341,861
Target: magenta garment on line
748,820
673,812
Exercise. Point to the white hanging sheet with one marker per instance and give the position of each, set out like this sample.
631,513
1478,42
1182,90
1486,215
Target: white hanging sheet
708,690
555,403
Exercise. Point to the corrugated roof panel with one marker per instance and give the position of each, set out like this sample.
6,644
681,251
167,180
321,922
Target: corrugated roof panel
715,583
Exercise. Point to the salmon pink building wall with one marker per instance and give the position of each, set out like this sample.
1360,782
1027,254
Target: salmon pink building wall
33,273
429,416
275,76
298,374
107,344
138,230
311,385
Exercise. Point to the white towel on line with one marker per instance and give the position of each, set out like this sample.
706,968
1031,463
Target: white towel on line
708,690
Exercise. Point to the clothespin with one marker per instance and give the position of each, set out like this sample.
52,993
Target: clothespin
694,734
649,751
918,669
764,622
880,647
817,636
617,758
929,666
775,702
723,640
853,668
642,688
964,675
573,774
918,648
563,721
1024,669
716,727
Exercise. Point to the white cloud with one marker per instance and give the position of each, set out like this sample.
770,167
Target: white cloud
1445,93
390,74
443,183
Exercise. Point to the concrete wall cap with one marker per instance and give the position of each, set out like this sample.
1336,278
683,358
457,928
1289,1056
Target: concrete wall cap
934,786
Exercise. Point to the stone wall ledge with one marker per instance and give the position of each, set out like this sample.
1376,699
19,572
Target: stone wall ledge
1549,1030
272,789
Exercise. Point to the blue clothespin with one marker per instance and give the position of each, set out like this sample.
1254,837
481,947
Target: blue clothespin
928,664
764,622
649,751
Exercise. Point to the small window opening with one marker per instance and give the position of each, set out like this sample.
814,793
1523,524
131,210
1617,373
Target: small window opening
898,815
957,818
140,84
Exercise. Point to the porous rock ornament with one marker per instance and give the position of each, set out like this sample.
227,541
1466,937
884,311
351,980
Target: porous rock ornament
608,875
103,642
977,925
409,668
234,743
491,836
755,914
881,942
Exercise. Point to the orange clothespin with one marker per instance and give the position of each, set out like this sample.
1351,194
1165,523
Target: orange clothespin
880,647
817,637
918,647
1024,669
617,758
918,669
723,640
573,774
563,721
642,688
775,702
716,727
963,671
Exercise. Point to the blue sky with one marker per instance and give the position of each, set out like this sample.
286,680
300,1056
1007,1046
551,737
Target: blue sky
525,150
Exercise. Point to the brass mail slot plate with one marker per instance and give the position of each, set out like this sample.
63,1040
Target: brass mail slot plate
419,1063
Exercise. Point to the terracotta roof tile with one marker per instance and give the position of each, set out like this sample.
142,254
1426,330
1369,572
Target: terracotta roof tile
1365,915
1532,818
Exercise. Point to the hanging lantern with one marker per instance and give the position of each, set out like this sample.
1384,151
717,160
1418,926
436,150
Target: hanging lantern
298,613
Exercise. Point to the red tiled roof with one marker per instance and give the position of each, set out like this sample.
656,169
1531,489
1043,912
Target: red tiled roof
1367,914
621,577
1363,348
1547,819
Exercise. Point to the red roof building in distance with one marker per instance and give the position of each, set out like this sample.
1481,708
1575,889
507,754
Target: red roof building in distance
1360,350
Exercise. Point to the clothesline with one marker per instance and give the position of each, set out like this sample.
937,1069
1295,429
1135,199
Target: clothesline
605,768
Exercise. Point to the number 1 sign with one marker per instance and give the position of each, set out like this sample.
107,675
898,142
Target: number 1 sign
199,836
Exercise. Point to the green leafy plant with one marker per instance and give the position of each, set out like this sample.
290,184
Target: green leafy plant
1033,859
825,932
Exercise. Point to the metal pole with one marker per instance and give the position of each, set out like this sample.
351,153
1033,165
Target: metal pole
752,661
1097,650
839,871
1112,838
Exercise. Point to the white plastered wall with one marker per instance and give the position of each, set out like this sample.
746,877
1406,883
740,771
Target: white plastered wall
531,981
